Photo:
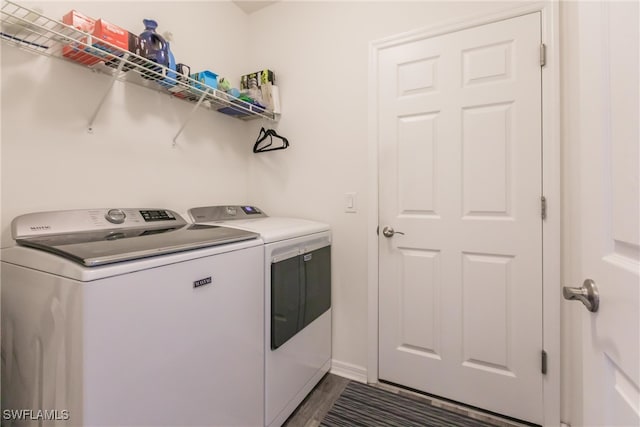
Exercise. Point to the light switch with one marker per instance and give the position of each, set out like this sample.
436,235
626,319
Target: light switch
350,205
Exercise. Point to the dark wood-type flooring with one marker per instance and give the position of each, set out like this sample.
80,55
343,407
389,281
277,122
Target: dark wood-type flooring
319,401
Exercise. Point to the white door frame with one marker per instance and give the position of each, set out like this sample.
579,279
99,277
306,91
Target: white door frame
551,181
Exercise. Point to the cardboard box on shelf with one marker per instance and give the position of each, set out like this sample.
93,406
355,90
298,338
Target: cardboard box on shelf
261,77
100,30
271,97
76,51
79,21
108,32
79,53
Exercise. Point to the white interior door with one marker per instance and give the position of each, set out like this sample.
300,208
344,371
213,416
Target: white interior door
460,292
609,210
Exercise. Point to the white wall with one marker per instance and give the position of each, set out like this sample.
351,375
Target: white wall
320,54
51,162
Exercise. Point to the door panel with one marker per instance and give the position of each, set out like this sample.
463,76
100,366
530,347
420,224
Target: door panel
420,331
416,166
486,282
460,175
485,161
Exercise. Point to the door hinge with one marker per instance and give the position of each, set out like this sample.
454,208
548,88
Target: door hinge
543,55
543,363
543,207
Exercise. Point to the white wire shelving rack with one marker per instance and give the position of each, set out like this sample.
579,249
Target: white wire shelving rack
32,31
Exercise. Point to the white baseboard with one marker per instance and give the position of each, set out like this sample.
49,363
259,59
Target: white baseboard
347,370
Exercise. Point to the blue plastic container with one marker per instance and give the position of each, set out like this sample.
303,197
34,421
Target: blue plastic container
170,76
152,45
154,48
206,77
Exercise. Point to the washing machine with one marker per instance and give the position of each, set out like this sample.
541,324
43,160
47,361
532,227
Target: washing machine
131,317
297,273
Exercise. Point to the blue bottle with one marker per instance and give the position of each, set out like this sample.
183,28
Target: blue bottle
153,47
170,76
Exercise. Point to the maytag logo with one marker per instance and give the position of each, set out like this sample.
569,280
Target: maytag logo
40,227
202,282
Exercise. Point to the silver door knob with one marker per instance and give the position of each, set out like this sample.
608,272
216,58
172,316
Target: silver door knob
389,231
587,294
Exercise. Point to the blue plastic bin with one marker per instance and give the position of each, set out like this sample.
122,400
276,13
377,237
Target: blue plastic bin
206,77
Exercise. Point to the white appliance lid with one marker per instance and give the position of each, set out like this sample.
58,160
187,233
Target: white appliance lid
271,229
102,236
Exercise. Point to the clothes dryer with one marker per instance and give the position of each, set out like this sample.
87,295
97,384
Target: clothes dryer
297,295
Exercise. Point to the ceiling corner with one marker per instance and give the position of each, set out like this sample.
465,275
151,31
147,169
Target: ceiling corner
249,7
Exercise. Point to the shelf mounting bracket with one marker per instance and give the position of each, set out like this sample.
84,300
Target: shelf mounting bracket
193,110
106,93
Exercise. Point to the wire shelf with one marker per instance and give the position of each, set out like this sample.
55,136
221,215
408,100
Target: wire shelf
30,30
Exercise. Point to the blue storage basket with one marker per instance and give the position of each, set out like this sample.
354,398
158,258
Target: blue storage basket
206,77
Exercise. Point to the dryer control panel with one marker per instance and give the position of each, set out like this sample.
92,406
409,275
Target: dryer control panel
225,213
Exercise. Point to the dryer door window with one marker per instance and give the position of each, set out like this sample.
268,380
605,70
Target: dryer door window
317,279
286,297
300,293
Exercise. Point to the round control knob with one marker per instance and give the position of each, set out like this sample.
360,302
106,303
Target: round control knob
115,216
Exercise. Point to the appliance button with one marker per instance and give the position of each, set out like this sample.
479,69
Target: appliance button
115,216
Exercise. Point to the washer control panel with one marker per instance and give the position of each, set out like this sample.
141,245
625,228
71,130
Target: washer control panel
157,215
75,221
